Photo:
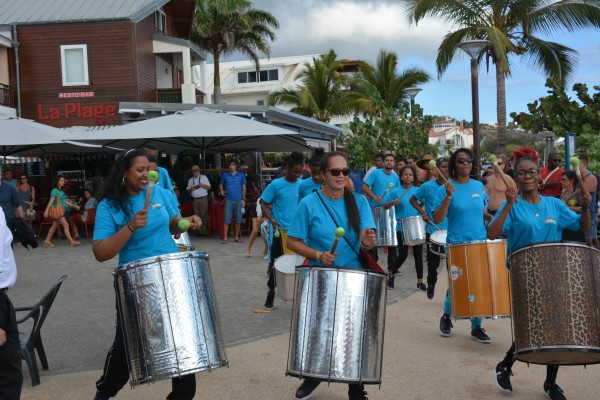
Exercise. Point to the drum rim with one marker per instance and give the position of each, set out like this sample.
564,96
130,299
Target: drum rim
493,316
160,377
557,349
326,268
559,243
150,260
413,217
326,378
487,241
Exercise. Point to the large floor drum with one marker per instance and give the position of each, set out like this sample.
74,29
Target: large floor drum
169,317
338,322
556,303
385,226
479,280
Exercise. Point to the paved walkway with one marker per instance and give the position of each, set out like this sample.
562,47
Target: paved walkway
418,363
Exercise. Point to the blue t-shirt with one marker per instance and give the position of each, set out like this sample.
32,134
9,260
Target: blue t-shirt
378,181
528,223
55,193
232,184
283,196
465,212
427,195
164,180
315,227
403,209
9,200
306,187
152,240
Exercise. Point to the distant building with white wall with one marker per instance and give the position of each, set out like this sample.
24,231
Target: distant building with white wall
448,136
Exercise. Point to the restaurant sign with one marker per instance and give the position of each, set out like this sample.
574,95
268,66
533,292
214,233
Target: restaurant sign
76,110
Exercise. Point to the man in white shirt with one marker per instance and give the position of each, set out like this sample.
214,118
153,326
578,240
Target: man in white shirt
11,376
198,187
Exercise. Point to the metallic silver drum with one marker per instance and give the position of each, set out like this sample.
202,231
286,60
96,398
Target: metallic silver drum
169,317
413,231
338,322
285,275
385,223
184,243
437,242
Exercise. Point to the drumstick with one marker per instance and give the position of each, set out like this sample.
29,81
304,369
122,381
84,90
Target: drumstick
152,179
391,185
339,232
575,163
436,226
183,224
433,165
505,178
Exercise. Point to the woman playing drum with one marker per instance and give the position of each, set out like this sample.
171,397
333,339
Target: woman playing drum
533,219
461,199
312,233
399,197
124,227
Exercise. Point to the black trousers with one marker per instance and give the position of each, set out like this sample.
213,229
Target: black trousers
116,371
276,252
11,376
551,369
403,254
433,262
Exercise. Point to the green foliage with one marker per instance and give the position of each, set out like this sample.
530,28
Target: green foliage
558,113
590,144
387,130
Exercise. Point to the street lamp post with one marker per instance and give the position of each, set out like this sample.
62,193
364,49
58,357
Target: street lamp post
473,48
412,92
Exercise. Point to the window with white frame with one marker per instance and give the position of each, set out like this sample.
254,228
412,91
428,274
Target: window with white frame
74,65
263,76
160,21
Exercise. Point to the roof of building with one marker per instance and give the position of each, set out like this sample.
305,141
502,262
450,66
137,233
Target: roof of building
436,133
23,12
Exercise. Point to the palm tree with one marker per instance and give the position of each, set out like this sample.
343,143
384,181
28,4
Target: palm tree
323,91
512,27
385,79
222,27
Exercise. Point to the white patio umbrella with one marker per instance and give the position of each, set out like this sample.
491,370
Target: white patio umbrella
198,130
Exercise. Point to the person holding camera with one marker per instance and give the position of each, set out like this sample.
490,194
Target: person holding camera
198,187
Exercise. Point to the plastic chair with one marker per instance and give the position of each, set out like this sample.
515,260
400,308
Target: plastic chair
45,221
33,341
91,219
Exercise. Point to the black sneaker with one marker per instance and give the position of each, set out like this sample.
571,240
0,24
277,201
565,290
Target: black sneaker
305,390
357,392
430,291
269,302
503,374
445,325
479,335
100,396
554,391
421,286
391,281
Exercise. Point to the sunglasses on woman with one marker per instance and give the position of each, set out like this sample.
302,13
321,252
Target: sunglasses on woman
337,171
464,160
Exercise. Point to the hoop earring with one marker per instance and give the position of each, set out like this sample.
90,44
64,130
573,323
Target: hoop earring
123,182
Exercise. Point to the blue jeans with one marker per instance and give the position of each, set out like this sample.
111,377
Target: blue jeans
475,322
233,206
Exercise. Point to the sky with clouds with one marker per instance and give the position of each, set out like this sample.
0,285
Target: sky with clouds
359,29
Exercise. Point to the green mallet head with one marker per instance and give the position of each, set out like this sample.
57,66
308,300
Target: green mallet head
493,158
277,234
339,232
183,224
432,164
575,161
152,176
391,185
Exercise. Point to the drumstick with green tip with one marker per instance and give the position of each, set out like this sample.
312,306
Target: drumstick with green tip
505,178
152,179
183,224
339,232
575,161
433,165
391,185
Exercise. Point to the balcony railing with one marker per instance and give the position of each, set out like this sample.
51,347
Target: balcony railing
4,95
168,95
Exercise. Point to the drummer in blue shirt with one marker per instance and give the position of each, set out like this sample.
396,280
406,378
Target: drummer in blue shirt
307,186
125,228
533,219
461,199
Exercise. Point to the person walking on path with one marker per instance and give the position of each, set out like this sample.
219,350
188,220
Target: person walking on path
58,200
233,187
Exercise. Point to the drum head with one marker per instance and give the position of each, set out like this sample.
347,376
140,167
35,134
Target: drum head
439,237
288,262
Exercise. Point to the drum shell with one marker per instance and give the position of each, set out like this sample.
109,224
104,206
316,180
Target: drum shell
413,231
338,324
284,236
169,317
184,243
285,275
385,225
556,302
479,280
437,242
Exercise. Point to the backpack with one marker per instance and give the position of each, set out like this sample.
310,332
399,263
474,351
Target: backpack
24,233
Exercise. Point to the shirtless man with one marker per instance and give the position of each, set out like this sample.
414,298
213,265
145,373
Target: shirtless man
496,187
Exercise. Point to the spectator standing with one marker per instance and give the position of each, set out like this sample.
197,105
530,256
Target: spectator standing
198,187
233,187
27,194
590,184
11,376
8,177
496,187
550,176
10,201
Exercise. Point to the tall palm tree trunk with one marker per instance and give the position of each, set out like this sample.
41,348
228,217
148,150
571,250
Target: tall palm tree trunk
217,78
501,108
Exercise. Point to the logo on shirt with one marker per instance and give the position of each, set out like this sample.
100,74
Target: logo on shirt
550,221
156,205
475,196
455,272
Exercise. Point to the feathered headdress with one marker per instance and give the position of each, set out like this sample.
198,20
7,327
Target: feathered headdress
526,151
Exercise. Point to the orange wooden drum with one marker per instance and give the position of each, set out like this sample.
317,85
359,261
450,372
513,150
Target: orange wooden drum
479,280
284,242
